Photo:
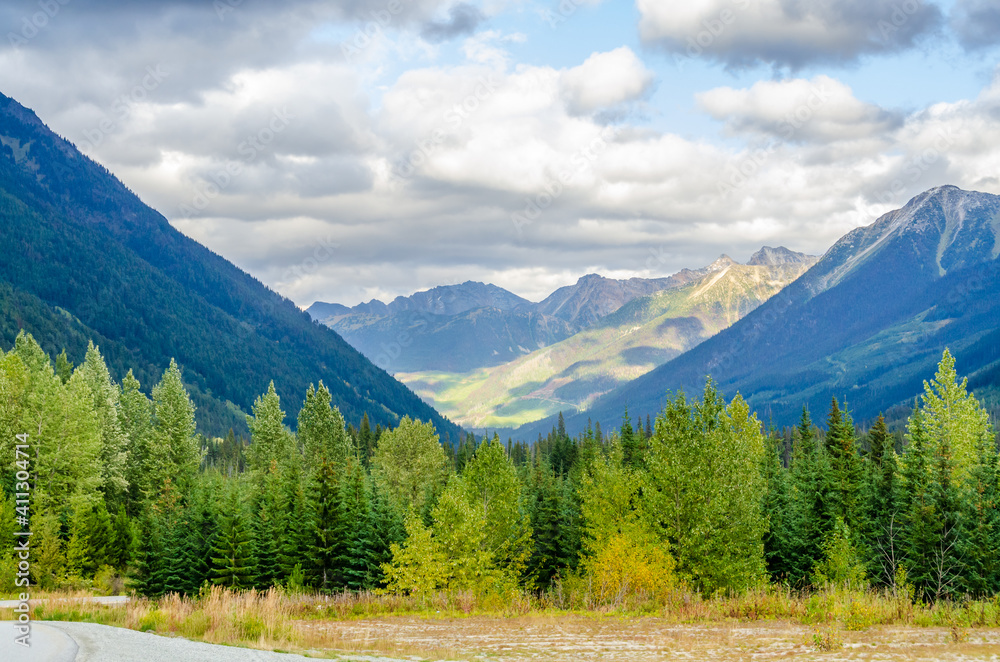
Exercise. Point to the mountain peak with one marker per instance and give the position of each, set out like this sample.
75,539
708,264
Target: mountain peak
770,257
723,262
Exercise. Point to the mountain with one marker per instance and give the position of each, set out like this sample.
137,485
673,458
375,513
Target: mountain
594,296
868,322
452,327
458,328
623,345
85,259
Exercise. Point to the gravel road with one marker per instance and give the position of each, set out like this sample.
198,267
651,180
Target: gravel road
55,641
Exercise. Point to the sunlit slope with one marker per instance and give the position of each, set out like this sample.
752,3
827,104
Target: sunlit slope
628,343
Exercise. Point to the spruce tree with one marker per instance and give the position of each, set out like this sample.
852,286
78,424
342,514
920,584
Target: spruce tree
981,522
233,562
386,530
327,545
357,561
144,459
147,570
780,539
105,398
544,507
812,508
321,430
841,446
174,452
122,541
884,508
921,533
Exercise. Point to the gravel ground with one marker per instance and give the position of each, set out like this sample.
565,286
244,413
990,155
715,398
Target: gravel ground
54,641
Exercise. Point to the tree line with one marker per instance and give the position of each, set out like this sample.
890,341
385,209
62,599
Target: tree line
123,486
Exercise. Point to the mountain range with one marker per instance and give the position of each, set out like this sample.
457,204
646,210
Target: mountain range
85,260
617,347
867,323
458,328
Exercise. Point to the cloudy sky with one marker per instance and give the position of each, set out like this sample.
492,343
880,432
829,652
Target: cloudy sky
343,151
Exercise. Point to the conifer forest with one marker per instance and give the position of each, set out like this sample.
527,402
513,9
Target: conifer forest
702,494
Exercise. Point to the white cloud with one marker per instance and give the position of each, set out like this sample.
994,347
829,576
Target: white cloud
605,80
790,33
820,109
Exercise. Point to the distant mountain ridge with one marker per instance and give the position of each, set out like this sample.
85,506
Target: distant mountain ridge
627,343
84,259
868,321
472,325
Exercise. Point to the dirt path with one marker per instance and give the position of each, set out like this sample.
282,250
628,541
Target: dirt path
571,638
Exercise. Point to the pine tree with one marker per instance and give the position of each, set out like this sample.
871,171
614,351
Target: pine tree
386,530
845,466
105,397
981,522
327,543
147,570
232,552
64,367
885,517
780,540
174,451
812,511
270,442
145,460
322,431
122,541
357,561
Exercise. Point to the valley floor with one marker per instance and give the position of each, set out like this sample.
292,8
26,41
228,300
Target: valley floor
576,638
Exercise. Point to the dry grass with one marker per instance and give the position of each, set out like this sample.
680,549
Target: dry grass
771,623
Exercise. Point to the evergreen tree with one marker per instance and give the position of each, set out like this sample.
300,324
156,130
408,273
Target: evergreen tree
704,465
147,570
386,530
812,514
921,533
780,540
981,522
122,541
885,517
177,454
845,465
270,442
105,397
145,460
632,446
64,367
233,564
546,558
327,542
321,430
366,442
357,561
